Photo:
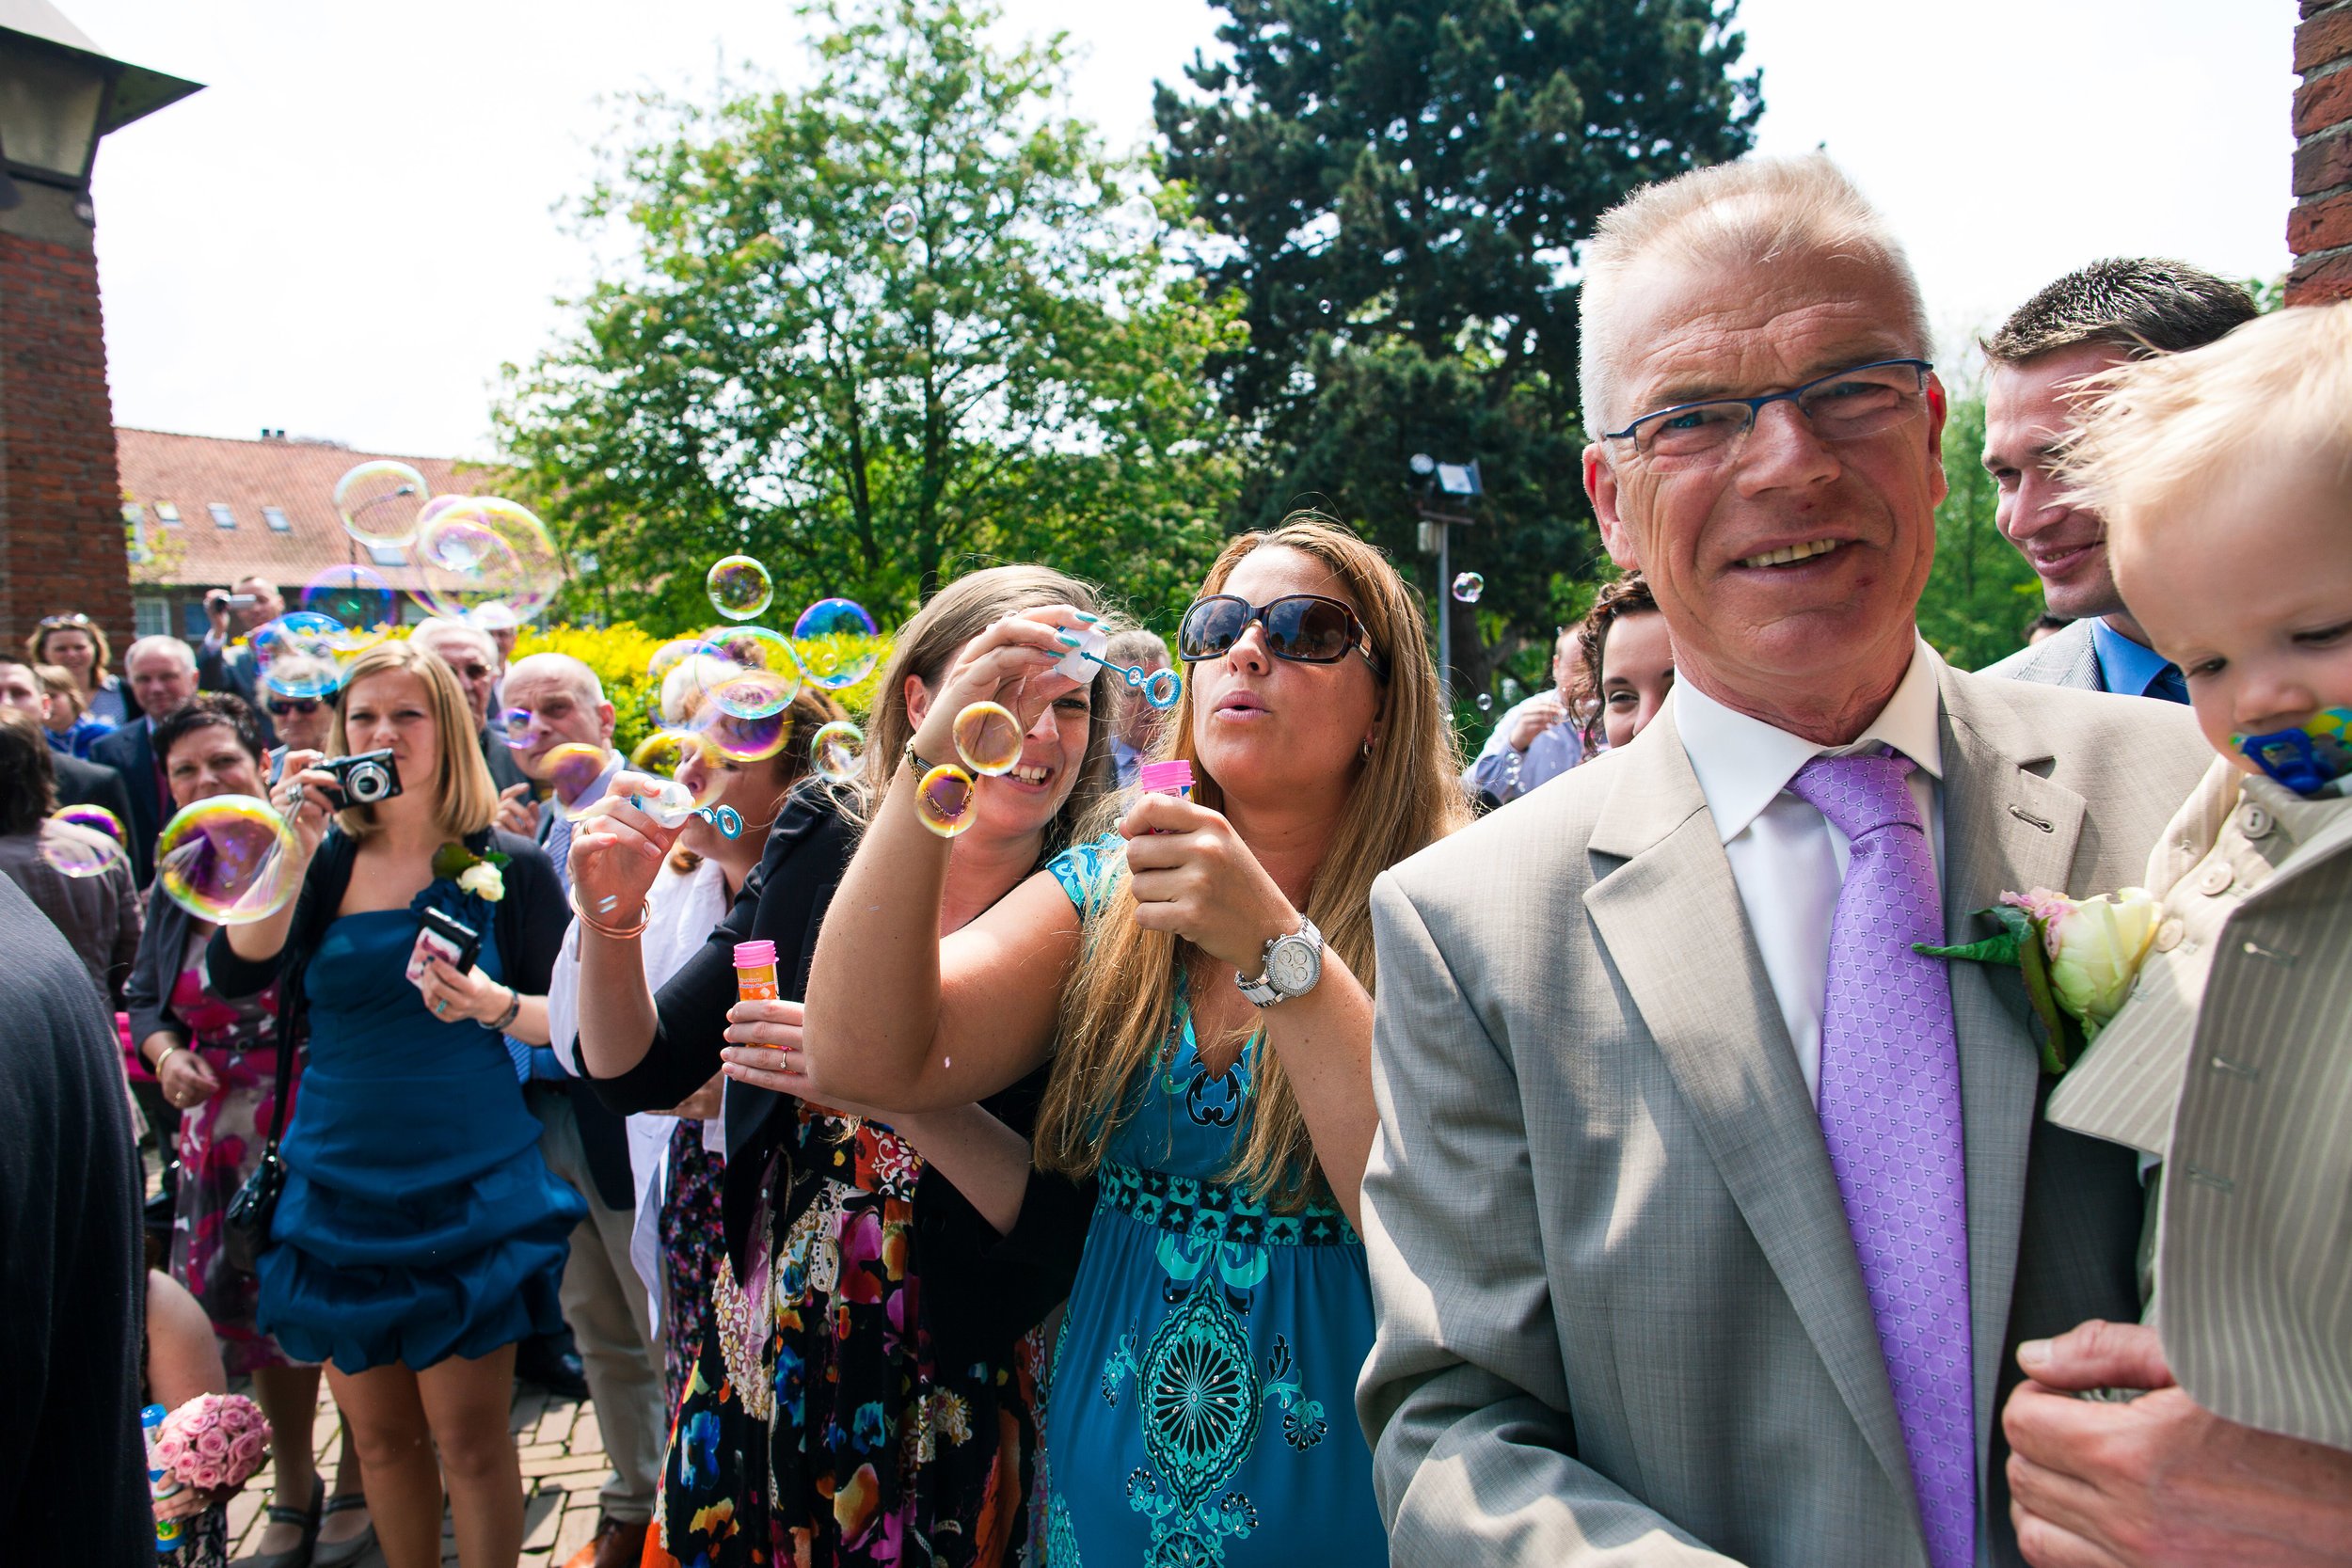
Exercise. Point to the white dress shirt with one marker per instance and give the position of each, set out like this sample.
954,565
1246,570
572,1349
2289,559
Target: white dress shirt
681,908
1787,859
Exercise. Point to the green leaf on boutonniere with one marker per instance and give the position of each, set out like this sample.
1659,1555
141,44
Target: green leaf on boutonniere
450,861
2019,945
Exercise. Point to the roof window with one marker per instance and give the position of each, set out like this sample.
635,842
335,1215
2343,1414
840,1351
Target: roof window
275,517
222,516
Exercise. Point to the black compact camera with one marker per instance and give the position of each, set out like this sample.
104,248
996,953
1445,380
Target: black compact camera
365,779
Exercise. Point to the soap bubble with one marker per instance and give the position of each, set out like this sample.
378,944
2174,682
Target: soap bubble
83,841
486,552
944,800
837,642
1485,702
226,859
1467,586
1161,688
573,769
740,587
357,599
518,726
301,655
988,739
899,222
755,673
665,753
740,740
839,752
379,502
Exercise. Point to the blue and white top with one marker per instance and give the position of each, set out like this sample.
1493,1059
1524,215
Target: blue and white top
1200,1409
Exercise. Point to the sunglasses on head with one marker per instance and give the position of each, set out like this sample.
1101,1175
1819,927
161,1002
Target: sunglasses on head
1304,628
282,706
53,623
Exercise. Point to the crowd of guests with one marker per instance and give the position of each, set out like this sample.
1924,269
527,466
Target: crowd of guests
1335,1154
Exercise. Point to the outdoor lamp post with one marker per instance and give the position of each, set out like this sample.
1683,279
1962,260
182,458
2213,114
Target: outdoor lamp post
61,545
1444,485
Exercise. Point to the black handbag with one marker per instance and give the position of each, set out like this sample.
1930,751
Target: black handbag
245,1224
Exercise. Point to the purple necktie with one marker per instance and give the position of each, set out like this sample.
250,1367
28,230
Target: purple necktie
1890,1113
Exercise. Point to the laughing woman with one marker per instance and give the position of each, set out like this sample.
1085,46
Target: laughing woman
1205,970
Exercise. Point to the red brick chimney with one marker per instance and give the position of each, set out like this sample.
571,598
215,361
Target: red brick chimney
61,543
2319,227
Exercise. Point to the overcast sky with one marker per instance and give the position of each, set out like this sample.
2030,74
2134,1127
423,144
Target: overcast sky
359,220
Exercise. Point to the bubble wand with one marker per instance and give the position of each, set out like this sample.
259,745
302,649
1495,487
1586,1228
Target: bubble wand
1160,687
673,804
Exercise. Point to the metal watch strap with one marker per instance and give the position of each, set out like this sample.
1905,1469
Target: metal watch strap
1262,991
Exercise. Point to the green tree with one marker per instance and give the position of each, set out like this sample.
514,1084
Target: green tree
1398,188
1980,593
907,319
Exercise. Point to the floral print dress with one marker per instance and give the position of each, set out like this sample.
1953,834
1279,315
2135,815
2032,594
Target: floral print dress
818,1425
1202,1381
220,1143
693,1239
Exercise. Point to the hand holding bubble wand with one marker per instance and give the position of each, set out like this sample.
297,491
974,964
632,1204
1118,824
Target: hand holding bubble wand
1160,687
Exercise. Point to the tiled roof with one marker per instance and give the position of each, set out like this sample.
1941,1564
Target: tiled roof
195,473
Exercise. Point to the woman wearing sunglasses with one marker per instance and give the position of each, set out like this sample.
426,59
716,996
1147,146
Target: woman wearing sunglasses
1204,967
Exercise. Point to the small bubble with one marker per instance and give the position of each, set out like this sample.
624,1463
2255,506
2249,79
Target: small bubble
1467,586
1485,702
839,752
82,841
740,587
988,739
899,222
944,799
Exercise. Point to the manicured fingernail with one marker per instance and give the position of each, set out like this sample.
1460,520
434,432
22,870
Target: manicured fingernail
1066,639
2033,1354
1090,620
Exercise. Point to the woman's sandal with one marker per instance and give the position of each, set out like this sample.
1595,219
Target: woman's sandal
300,1556
341,1554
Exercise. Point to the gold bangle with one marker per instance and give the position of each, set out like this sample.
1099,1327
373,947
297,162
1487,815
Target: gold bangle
156,1068
614,933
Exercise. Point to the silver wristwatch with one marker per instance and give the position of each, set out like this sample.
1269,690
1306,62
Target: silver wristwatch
1293,964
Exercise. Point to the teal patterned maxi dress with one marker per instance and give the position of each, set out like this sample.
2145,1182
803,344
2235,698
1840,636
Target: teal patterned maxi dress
1201,1410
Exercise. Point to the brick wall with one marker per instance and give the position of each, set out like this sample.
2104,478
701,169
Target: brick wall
2319,227
61,544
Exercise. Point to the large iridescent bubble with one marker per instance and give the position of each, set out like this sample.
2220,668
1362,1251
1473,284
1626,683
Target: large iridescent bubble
227,859
837,643
380,501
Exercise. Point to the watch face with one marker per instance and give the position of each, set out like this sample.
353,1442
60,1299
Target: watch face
1293,966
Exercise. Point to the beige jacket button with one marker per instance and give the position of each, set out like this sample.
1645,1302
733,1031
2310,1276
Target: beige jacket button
2217,878
2169,935
2254,822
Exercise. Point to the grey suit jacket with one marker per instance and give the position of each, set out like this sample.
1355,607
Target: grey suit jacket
2068,657
2232,1062
1620,1318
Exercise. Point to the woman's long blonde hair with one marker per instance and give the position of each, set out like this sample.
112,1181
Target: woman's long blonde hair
1119,1004
465,797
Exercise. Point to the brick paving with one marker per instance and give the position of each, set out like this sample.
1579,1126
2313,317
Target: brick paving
563,1464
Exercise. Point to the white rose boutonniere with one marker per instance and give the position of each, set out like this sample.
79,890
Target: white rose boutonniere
483,880
478,874
2078,956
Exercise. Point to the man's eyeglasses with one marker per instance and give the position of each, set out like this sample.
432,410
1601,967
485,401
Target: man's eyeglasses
283,706
1304,628
1845,406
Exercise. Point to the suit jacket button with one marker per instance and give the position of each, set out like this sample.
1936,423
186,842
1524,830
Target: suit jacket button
2254,822
2169,935
2217,878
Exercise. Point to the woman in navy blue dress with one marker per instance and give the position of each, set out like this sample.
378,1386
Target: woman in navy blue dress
1201,1410
420,1235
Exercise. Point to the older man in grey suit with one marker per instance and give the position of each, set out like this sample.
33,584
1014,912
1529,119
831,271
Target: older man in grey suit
1706,1216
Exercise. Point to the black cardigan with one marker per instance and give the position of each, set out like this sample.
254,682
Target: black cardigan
987,1289
529,920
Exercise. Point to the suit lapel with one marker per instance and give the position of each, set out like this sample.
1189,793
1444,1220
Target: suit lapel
1672,921
2006,830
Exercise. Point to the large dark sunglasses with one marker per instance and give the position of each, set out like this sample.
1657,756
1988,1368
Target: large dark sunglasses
1305,628
283,707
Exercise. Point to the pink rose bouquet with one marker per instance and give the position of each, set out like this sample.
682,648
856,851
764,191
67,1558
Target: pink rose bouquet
214,1442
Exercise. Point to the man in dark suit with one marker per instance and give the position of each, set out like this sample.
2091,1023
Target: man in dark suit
79,782
240,609
162,672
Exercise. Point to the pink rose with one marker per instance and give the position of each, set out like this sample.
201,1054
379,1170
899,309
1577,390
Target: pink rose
212,1443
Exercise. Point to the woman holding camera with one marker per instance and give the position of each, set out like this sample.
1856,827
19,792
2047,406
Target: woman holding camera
419,1234
1199,981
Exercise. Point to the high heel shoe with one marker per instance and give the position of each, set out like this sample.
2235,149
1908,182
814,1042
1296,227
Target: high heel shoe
299,1555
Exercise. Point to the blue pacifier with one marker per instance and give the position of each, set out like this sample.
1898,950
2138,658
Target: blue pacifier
2311,759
